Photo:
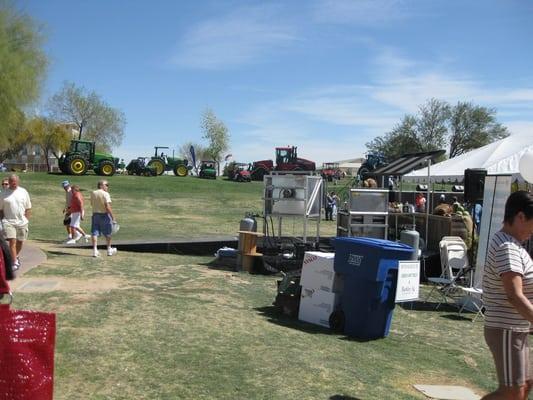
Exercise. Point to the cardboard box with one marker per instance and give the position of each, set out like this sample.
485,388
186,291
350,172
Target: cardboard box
318,272
316,306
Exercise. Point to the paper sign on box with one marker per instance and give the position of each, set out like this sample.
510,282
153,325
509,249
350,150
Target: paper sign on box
318,273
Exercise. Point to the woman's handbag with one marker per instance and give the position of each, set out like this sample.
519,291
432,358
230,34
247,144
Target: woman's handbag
27,340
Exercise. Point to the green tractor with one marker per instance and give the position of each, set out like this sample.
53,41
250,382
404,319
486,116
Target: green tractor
82,156
162,163
208,170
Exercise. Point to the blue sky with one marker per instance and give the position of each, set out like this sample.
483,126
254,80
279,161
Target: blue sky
325,75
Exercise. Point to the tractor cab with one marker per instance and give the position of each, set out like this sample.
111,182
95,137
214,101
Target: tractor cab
286,155
83,147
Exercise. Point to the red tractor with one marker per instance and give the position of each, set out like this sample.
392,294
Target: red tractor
238,172
286,160
331,171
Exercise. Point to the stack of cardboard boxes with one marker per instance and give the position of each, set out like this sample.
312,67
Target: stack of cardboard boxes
321,288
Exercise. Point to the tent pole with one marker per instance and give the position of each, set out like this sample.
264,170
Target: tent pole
427,201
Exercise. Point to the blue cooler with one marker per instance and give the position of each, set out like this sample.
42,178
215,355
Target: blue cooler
370,271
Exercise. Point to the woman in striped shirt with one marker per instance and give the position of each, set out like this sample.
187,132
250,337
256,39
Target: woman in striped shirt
508,299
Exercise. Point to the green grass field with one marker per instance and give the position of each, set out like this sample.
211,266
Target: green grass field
162,326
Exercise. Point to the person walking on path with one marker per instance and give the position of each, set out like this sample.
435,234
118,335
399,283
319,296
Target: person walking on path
77,213
508,299
66,211
15,211
329,207
335,204
102,219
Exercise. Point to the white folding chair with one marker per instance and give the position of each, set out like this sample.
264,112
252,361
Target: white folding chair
473,301
454,263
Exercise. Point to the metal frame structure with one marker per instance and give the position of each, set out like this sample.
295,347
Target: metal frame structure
354,218
293,194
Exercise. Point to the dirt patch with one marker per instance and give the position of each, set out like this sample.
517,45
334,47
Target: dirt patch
46,284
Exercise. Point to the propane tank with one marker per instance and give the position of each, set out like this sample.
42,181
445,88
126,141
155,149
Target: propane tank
411,238
248,223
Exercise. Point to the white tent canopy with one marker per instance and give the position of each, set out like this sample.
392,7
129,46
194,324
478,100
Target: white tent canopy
500,157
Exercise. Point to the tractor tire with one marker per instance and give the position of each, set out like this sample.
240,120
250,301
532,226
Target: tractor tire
258,174
181,170
76,165
158,165
62,165
106,168
363,173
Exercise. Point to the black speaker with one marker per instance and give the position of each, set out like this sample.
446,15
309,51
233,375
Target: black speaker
474,184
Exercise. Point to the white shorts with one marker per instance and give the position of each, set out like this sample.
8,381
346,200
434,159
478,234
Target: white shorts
75,220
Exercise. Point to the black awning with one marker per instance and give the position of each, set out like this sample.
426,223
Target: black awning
407,163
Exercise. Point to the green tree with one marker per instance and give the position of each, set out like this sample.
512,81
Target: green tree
22,70
216,133
50,136
95,119
438,125
402,139
473,126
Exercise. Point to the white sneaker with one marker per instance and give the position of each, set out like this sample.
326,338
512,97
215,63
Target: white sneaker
87,238
111,251
71,241
96,253
77,237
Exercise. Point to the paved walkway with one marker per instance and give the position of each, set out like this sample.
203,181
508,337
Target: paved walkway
31,256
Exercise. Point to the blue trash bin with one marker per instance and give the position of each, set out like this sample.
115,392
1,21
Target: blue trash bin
370,271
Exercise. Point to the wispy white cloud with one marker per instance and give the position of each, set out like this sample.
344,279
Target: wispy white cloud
241,37
334,122
363,12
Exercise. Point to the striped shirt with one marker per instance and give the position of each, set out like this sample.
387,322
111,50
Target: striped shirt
505,254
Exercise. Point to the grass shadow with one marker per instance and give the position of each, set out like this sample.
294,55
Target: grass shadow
456,317
343,397
220,266
427,306
274,315
60,253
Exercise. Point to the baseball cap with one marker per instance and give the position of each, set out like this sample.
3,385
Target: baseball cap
65,183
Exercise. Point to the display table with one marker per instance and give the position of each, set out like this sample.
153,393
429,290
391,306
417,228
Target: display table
248,249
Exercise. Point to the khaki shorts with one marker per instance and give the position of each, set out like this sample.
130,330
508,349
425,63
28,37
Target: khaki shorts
15,232
510,351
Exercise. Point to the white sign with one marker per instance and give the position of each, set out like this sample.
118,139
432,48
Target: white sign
408,286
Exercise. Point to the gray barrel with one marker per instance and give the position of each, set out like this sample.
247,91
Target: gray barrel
411,238
248,224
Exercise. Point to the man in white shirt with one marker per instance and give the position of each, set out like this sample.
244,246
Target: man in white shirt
15,211
102,219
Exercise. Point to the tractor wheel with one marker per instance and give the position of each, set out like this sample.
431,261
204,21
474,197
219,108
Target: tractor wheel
181,170
362,173
106,168
258,174
76,165
158,165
